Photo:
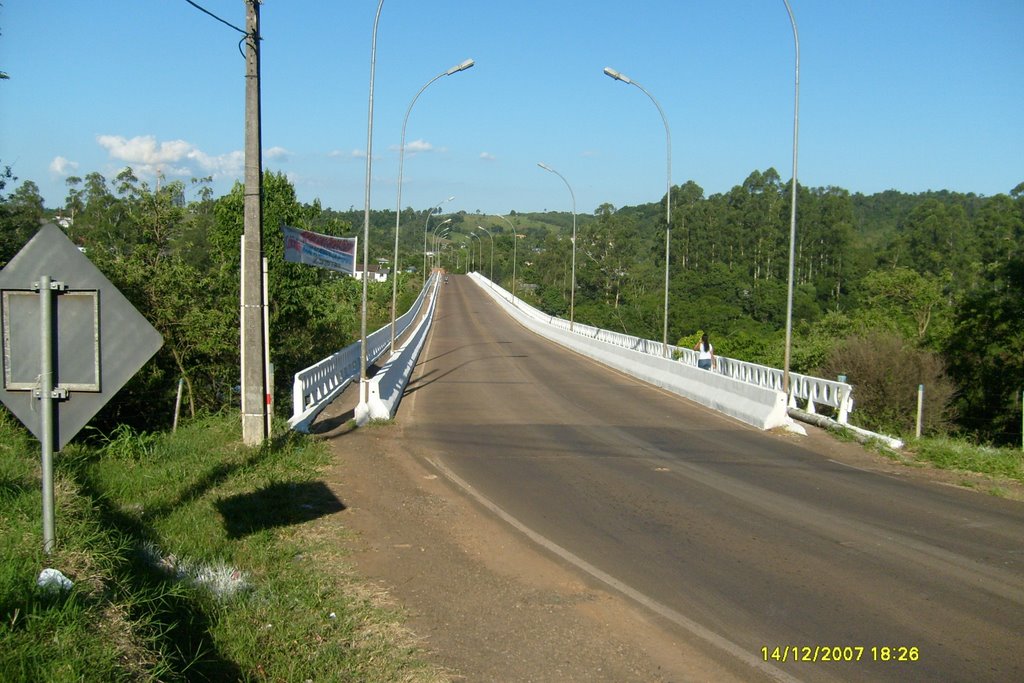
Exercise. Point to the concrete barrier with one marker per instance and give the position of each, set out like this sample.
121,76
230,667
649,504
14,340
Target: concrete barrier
314,388
387,386
758,406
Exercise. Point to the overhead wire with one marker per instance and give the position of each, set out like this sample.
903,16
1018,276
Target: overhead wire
211,14
245,34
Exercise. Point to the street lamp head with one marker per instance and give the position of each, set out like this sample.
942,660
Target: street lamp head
612,73
545,166
460,67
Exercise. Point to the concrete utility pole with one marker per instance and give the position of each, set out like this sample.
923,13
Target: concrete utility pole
253,341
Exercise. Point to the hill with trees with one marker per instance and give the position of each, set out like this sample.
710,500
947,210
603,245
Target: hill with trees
891,289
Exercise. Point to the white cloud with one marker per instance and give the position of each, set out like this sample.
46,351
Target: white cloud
354,154
62,166
277,153
147,157
230,164
487,156
143,149
419,146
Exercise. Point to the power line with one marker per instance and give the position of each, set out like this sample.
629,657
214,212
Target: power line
208,12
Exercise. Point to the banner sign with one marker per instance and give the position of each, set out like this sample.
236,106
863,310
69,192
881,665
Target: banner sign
314,249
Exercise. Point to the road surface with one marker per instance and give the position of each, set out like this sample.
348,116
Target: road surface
768,552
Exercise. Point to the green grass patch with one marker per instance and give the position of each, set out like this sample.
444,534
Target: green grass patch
193,558
957,454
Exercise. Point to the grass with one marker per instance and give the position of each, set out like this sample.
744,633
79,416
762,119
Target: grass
193,558
958,454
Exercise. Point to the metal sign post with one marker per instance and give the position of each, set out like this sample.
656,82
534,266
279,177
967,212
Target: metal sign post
46,405
57,380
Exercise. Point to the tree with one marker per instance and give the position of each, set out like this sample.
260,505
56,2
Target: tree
986,353
21,215
313,312
907,301
999,227
937,238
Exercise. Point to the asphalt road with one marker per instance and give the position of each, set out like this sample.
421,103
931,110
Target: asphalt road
753,543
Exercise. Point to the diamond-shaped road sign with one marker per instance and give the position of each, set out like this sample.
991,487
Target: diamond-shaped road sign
100,340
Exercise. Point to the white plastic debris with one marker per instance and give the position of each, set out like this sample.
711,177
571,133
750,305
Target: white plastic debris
54,581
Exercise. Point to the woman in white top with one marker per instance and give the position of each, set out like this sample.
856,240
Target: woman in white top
706,357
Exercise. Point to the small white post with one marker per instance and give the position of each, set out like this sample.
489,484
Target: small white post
177,405
920,406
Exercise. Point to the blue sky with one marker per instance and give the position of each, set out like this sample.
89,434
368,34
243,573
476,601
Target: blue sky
909,95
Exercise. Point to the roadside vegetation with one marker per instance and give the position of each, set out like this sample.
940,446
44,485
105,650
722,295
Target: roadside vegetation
960,455
192,558
195,558
891,290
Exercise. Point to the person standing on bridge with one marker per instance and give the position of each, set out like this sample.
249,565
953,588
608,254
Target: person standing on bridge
706,353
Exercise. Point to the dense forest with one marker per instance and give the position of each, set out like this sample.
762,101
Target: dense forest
892,290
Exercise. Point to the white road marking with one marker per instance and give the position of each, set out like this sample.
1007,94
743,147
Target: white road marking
672,615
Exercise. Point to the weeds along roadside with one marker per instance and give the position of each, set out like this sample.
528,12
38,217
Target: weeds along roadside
192,557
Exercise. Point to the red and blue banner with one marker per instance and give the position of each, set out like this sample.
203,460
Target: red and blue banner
324,251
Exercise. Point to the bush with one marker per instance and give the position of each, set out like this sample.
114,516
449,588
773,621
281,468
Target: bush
885,372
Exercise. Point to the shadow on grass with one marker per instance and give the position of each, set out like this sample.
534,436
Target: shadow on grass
277,505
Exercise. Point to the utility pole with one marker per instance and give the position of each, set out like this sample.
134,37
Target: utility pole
253,341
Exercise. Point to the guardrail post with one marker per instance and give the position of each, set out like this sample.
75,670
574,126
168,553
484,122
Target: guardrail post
844,405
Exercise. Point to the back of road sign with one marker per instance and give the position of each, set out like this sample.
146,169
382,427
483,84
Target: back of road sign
100,339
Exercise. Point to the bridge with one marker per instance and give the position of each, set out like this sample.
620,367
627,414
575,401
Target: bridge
754,544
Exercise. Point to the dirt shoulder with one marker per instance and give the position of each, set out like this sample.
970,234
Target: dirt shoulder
487,604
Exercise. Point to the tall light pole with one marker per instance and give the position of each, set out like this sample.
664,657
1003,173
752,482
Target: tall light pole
612,73
434,232
364,384
572,289
438,247
489,235
398,207
426,223
792,209
436,237
515,241
479,260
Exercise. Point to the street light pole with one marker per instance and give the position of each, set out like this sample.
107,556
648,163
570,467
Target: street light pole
425,224
478,256
472,252
438,247
612,73
398,207
515,241
572,289
792,209
489,235
434,232
364,384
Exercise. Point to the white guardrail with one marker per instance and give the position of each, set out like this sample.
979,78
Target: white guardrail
384,391
811,390
316,386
